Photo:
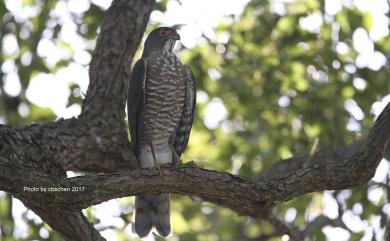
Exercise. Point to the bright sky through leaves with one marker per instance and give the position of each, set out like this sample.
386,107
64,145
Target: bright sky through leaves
198,18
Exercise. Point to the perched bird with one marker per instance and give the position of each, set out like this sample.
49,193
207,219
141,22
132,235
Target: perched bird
161,102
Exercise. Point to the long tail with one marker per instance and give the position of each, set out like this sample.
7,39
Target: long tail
152,210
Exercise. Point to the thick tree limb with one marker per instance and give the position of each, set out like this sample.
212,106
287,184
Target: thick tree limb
38,155
98,140
72,225
109,70
327,169
38,148
285,167
243,195
66,145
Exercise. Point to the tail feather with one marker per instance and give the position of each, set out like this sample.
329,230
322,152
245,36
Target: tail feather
162,223
142,222
152,210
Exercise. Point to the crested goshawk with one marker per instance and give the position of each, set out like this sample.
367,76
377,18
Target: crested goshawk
161,102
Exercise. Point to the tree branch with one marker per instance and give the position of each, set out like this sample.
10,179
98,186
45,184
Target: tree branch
322,221
243,195
109,70
285,167
66,145
38,155
98,140
283,227
72,225
43,148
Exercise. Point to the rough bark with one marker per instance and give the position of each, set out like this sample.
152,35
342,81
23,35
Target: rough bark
110,66
325,170
38,155
73,144
97,141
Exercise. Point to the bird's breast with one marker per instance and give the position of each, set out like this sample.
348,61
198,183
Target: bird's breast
164,99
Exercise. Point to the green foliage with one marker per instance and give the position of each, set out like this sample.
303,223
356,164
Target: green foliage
284,88
26,63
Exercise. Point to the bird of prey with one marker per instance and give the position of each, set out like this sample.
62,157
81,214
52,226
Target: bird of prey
161,102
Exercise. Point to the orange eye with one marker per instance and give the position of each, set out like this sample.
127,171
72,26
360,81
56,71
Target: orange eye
163,32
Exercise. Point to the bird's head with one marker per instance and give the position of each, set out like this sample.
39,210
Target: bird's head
163,38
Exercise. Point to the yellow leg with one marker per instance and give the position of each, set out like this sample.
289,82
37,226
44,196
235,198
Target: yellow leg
191,164
156,165
176,160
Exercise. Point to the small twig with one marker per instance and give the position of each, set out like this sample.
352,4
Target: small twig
283,227
313,149
322,221
380,184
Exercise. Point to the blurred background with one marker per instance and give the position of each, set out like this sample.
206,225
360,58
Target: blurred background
274,78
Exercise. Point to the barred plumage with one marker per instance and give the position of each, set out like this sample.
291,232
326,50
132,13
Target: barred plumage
185,124
161,103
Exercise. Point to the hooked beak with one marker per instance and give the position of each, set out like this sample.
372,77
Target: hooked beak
170,44
175,36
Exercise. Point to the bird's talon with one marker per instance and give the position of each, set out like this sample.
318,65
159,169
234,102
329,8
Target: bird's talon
158,168
191,164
